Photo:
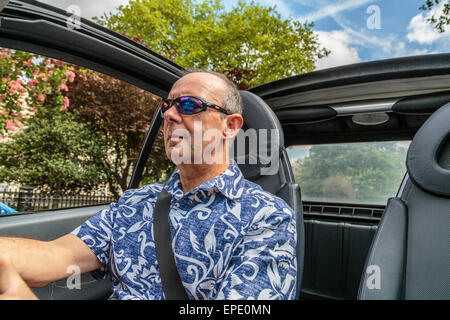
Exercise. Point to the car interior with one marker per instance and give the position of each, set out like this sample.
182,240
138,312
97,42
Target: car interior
402,99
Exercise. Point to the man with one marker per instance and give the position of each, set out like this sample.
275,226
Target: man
231,239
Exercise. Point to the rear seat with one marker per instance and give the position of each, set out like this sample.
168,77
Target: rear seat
335,253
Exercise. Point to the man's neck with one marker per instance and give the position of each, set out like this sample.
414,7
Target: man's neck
193,175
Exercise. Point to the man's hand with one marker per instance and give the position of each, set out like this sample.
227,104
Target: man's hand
12,286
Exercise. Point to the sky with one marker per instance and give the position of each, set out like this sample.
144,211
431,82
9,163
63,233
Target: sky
353,30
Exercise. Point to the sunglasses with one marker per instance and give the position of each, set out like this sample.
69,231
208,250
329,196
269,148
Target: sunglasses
189,105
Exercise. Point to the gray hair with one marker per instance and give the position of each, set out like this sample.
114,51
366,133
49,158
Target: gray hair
232,101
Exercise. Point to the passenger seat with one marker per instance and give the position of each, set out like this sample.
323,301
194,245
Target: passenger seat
410,255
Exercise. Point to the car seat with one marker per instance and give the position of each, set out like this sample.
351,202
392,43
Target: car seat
410,254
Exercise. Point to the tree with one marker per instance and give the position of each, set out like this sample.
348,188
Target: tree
35,148
443,20
121,113
250,43
354,171
55,152
97,143
29,82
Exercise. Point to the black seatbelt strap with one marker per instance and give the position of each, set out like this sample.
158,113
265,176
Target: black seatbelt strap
170,279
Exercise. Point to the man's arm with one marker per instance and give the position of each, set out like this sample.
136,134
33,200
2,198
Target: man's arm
42,262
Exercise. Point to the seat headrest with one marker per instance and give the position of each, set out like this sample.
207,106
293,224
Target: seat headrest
428,159
257,146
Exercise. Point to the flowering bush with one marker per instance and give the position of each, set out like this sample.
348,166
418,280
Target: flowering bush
29,82
80,128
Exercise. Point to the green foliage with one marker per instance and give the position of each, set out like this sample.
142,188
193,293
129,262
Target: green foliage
443,20
54,151
249,39
368,172
96,141
121,113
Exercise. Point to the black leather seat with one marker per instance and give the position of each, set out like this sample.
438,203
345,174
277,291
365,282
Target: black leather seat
273,173
410,254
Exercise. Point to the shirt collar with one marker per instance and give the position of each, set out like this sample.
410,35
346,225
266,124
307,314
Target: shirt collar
227,183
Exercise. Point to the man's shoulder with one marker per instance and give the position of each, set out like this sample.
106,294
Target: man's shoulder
252,191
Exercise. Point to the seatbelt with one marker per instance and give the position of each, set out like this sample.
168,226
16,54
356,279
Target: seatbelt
170,279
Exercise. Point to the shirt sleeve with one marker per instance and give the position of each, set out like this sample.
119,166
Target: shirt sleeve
265,266
96,232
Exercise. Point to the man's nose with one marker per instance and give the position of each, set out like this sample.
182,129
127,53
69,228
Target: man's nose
172,115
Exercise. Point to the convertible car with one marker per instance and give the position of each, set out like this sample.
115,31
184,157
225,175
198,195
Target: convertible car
359,237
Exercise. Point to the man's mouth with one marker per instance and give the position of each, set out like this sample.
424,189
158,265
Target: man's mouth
174,137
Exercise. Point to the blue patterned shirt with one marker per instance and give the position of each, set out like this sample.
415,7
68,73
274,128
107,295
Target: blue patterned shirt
231,240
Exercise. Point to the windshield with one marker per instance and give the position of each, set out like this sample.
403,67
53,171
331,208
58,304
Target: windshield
265,40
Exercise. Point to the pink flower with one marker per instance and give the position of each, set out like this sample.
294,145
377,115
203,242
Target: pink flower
62,86
12,90
10,125
28,63
32,84
70,74
66,104
41,97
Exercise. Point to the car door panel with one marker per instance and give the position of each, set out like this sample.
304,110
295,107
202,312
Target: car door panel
50,225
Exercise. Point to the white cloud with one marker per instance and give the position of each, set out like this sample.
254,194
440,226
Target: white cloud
387,46
339,43
423,32
333,9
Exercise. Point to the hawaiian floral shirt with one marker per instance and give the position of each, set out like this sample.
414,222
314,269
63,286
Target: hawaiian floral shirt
231,240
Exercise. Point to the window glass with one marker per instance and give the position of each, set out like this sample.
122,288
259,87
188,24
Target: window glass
69,136
349,172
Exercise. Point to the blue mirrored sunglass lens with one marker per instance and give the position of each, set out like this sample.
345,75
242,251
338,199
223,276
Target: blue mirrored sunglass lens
189,105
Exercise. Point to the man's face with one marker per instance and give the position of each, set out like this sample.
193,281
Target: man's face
209,88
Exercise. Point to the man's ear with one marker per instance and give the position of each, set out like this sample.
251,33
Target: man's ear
233,123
